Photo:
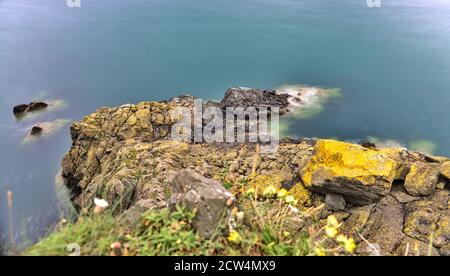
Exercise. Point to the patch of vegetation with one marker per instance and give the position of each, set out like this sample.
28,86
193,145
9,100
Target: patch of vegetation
263,225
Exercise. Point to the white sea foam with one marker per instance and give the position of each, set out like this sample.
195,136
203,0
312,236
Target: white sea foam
48,129
307,101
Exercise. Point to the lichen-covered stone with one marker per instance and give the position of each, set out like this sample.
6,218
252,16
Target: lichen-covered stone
422,179
428,219
445,169
361,175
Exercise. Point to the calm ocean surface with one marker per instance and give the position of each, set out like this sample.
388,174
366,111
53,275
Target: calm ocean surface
392,65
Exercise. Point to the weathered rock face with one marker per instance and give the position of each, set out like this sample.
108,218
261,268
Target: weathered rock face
210,201
362,176
20,110
125,156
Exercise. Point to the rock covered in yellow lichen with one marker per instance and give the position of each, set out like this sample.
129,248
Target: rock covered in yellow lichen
422,179
361,175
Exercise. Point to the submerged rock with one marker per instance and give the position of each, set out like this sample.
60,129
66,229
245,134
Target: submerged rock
36,130
362,176
20,110
210,201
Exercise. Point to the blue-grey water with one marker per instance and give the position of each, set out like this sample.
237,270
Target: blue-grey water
391,63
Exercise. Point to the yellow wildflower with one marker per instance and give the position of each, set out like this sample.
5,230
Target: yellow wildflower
331,231
250,192
341,238
349,245
282,193
291,200
320,251
332,221
270,191
234,237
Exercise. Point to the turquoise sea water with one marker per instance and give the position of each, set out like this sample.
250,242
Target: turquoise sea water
391,63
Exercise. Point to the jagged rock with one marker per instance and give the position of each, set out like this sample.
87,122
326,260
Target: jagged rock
400,194
211,202
362,176
428,218
385,225
249,97
404,159
334,202
445,170
24,108
422,179
357,220
36,130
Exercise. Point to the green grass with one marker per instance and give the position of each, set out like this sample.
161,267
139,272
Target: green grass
163,233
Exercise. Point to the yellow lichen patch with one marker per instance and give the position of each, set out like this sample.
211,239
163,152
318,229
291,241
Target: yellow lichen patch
301,194
261,182
340,159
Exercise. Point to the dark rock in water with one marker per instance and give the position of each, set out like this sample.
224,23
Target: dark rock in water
369,145
36,130
208,197
24,108
19,109
37,106
334,202
251,97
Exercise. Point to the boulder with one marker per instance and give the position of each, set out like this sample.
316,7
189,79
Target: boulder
24,108
334,202
422,179
211,202
362,176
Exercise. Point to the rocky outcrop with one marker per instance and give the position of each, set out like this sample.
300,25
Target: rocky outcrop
22,109
125,155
